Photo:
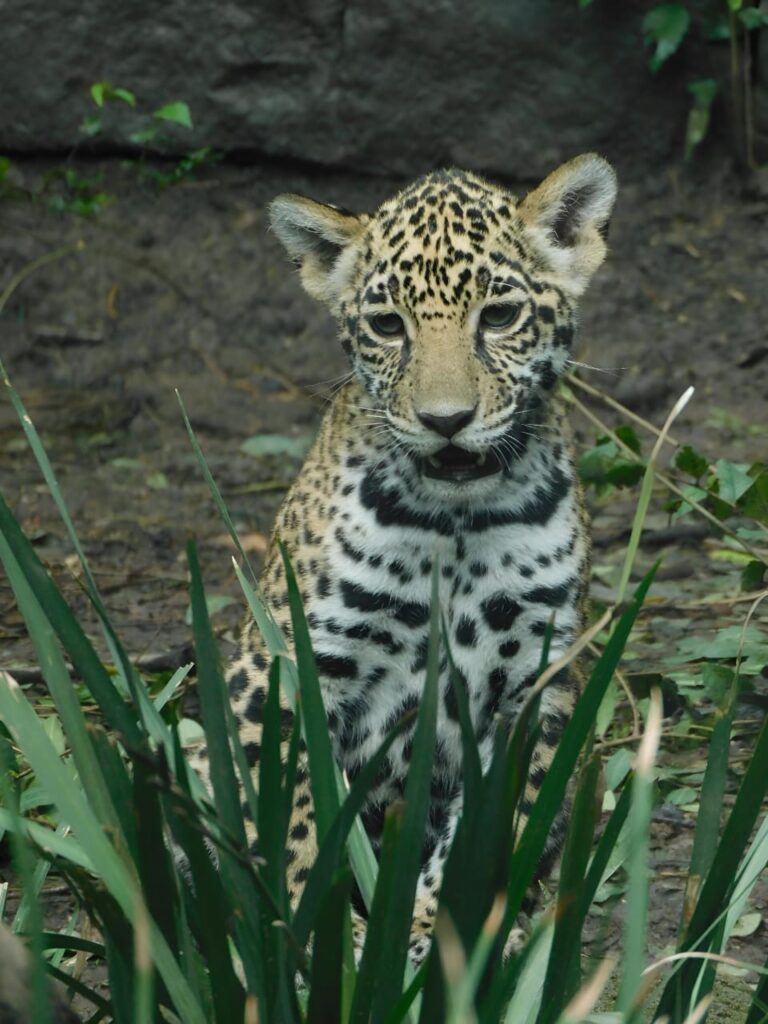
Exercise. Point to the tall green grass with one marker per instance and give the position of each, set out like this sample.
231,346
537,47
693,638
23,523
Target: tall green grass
219,942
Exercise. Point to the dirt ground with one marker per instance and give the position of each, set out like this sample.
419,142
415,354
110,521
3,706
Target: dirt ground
186,289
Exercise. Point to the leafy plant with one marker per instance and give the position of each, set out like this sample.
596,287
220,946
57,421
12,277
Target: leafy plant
228,947
665,28
66,190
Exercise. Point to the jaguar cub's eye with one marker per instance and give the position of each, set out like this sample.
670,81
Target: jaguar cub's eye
388,325
499,314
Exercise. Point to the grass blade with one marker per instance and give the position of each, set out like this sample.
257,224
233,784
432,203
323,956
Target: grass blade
639,822
60,687
215,492
373,950
84,658
527,854
328,858
707,828
273,821
30,736
524,1006
325,794
471,768
563,970
720,881
328,958
210,929
397,923
213,700
24,862
645,494
533,840
129,677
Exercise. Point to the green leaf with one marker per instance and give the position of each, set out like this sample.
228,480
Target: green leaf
29,879
125,96
214,603
97,92
692,492
90,125
273,818
753,18
144,135
627,434
277,444
606,464
101,91
692,462
177,113
683,795
617,767
638,891
733,478
754,576
624,474
157,481
703,91
724,646
718,680
696,128
665,26
754,502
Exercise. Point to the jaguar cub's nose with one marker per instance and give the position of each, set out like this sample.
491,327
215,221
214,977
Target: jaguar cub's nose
449,425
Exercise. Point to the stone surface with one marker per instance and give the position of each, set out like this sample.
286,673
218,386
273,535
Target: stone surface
508,86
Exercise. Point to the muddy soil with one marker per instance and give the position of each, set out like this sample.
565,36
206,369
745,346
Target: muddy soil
187,289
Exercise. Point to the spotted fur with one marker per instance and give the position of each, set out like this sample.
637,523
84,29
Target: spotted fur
456,304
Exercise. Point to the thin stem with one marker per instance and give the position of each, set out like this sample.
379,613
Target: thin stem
30,268
597,393
636,724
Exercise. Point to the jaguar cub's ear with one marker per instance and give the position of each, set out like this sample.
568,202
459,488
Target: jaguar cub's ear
320,239
568,214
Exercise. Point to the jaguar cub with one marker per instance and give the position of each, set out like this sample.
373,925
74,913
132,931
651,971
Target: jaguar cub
456,305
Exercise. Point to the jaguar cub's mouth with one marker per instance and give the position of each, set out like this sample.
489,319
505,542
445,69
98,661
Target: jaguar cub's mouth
459,465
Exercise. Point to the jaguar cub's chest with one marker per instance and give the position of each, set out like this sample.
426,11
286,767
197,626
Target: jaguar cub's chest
503,572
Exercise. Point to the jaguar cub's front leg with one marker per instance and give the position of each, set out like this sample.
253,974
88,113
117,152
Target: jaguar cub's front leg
557,708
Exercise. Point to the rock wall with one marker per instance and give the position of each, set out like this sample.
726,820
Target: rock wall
509,86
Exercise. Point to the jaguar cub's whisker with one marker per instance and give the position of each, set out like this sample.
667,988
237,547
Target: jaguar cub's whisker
613,371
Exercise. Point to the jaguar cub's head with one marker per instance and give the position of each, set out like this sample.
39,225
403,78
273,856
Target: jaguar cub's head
456,304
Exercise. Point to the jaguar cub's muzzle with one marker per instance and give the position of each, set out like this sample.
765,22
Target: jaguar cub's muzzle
458,465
